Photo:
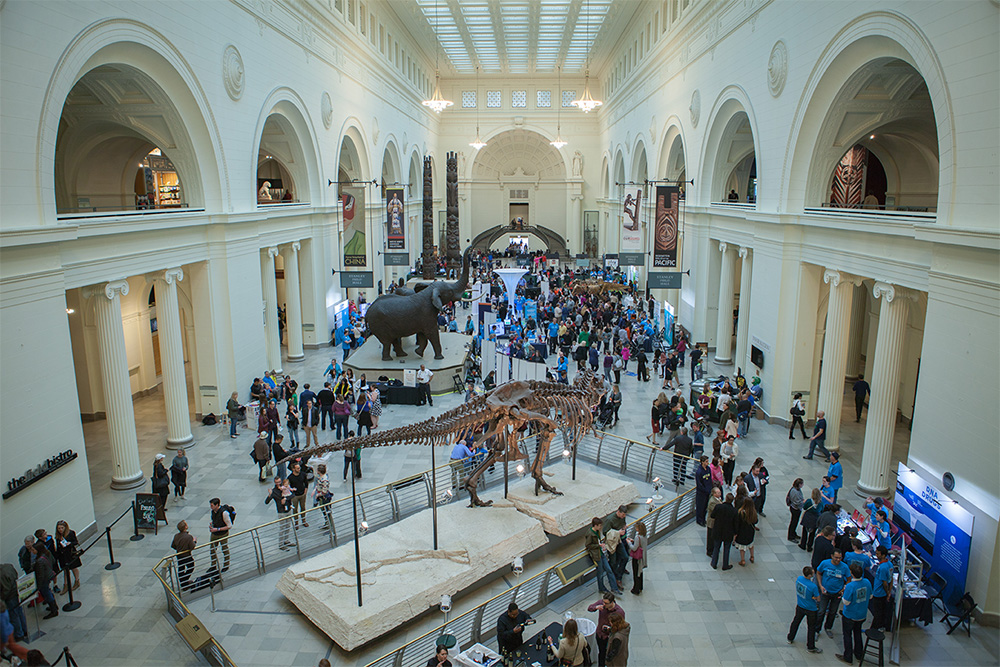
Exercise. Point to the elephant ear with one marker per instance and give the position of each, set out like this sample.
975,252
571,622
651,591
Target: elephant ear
419,287
436,298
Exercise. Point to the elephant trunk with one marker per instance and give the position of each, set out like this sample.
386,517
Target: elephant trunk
463,280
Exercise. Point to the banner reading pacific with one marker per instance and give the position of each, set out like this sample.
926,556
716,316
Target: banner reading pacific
394,234
353,201
665,228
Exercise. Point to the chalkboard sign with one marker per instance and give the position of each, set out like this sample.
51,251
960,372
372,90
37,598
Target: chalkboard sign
148,511
575,568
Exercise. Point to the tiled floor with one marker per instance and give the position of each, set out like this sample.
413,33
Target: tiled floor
689,614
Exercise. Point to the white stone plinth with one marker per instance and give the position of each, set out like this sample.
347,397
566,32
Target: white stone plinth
592,494
402,576
368,360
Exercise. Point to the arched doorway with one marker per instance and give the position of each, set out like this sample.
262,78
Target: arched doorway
729,166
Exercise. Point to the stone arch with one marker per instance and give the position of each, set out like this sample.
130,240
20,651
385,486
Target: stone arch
672,163
134,47
605,178
640,163
864,40
731,139
618,175
285,134
390,169
521,152
354,160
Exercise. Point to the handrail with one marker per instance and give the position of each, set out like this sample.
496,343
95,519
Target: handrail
479,631
213,650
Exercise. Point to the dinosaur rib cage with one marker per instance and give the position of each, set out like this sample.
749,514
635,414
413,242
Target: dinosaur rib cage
569,406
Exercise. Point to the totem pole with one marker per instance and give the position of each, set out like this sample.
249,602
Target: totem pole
451,231
427,259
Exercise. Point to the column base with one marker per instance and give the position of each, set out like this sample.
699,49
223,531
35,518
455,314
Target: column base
186,442
295,357
723,361
123,484
865,492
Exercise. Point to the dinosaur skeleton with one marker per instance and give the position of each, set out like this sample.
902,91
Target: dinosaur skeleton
500,415
595,287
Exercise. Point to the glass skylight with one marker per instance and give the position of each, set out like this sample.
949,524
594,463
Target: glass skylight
516,36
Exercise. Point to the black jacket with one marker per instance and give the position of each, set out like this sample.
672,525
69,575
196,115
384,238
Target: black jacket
299,483
682,445
724,528
506,637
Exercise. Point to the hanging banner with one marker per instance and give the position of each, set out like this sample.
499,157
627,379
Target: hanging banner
665,228
355,245
394,234
631,236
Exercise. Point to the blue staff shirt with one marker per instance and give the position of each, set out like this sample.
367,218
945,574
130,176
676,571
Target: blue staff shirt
856,595
862,559
553,330
882,574
805,590
838,470
883,534
834,576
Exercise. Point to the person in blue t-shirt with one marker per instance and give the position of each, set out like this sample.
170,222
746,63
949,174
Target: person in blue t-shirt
882,531
836,474
806,604
831,575
881,610
857,555
857,592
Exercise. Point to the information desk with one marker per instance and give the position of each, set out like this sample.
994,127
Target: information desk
398,395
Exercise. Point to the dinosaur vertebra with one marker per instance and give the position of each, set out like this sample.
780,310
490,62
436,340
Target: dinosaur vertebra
501,414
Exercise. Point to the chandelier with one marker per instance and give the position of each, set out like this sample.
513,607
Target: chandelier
437,103
478,143
587,103
558,142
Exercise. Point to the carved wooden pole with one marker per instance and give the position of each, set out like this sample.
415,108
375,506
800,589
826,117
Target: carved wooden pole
428,228
453,246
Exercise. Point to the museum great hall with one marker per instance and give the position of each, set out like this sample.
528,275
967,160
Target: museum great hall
172,174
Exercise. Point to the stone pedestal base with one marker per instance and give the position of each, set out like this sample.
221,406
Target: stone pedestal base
368,360
592,494
402,576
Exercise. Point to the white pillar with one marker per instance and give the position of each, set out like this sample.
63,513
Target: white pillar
856,334
838,323
881,426
293,303
272,343
172,360
724,331
743,324
127,473
573,233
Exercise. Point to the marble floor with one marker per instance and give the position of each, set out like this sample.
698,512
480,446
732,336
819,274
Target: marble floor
689,614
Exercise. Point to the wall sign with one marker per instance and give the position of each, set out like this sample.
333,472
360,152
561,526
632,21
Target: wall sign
357,279
29,477
664,280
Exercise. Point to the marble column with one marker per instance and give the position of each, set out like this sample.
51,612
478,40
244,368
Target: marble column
293,303
168,317
856,335
724,332
272,342
881,421
573,230
743,324
126,473
838,324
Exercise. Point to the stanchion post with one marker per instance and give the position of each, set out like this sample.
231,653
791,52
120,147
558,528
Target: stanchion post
72,605
136,535
112,565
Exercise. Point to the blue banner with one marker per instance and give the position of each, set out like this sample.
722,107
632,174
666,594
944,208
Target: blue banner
531,309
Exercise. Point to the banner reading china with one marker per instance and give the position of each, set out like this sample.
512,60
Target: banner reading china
394,230
665,227
353,202
631,235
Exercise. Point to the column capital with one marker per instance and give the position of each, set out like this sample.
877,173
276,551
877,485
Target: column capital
171,276
889,292
834,278
272,251
109,289
296,246
744,252
723,247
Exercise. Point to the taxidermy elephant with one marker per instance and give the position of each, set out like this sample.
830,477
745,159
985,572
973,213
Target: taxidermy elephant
392,317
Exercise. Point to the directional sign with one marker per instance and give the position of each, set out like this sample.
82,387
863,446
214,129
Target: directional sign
396,259
357,279
631,259
664,280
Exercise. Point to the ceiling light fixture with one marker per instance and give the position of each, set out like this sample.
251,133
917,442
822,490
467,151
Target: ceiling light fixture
478,143
587,103
437,103
558,142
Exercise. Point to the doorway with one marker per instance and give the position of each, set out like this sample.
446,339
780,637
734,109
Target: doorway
518,211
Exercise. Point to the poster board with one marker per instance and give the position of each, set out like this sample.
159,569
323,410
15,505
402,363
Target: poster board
941,528
26,587
409,377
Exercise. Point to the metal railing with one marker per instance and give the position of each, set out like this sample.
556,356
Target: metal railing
904,214
479,624
212,651
275,545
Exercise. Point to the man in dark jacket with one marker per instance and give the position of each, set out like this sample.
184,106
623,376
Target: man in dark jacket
824,547
723,531
683,448
325,398
703,489
44,573
510,627
306,396
8,593
261,453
